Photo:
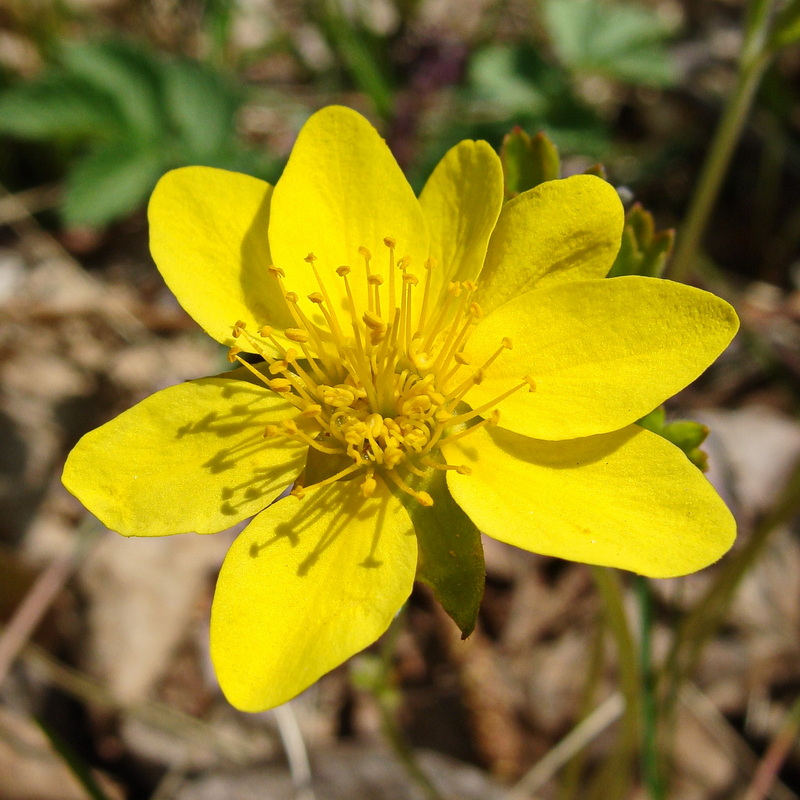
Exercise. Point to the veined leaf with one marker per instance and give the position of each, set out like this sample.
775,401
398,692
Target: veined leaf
622,41
129,75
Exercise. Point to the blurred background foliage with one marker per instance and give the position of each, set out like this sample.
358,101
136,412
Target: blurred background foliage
106,95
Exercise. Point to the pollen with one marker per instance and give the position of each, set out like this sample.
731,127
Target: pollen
384,376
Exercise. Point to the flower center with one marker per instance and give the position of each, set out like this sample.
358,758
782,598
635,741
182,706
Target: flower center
377,385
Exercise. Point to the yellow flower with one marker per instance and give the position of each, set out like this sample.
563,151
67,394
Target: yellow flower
435,366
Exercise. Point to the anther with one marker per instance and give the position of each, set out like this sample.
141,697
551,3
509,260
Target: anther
276,272
389,242
290,297
362,251
316,297
507,343
312,410
271,430
462,358
233,352
238,327
280,385
290,426
424,499
375,279
531,383
409,278
310,258
343,270
337,396
373,321
266,331
297,335
368,486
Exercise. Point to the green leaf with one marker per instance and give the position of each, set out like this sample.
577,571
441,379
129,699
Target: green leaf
202,106
450,551
58,106
128,74
643,251
685,434
527,161
497,81
109,182
622,41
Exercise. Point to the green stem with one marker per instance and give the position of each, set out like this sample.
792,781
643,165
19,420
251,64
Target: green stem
383,693
649,748
614,780
756,56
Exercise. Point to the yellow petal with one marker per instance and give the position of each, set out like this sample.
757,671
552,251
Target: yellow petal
208,237
461,201
559,231
602,353
188,458
341,190
305,586
627,499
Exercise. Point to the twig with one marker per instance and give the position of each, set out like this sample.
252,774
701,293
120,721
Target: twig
739,751
608,712
19,217
779,748
227,745
38,600
20,206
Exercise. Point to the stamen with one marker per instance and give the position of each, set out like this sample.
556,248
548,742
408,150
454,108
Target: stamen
430,263
468,415
369,485
376,281
391,243
301,491
461,469
367,256
423,498
491,422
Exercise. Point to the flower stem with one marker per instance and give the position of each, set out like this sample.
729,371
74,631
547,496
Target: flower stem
614,779
756,56
651,771
382,692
